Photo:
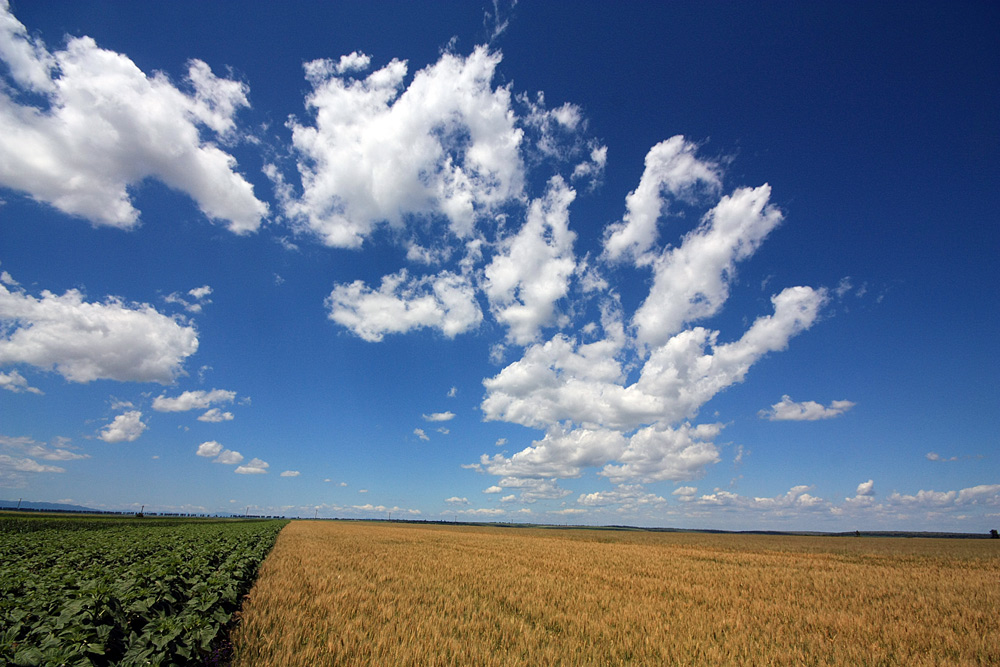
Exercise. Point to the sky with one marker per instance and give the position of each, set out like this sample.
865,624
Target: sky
689,264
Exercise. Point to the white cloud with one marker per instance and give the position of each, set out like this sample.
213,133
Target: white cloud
445,145
684,493
562,381
230,457
16,383
797,499
789,410
455,500
593,168
10,464
193,400
420,433
445,302
532,270
532,489
382,509
453,392
691,281
254,467
484,511
983,494
106,126
439,416
212,448
59,451
199,299
215,416
290,473
671,168
126,427
934,456
627,496
442,161
209,449
866,488
85,341
558,454
659,453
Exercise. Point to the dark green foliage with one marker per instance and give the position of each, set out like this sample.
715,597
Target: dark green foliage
121,591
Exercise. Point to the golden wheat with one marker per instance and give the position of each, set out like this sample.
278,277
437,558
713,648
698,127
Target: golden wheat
347,593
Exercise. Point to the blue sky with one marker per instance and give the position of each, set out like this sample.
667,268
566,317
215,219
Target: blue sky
693,264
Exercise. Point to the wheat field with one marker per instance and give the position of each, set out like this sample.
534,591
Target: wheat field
355,593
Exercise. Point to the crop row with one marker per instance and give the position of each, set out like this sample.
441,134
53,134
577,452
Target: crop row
124,592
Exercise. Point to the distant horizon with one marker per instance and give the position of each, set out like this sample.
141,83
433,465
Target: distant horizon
725,267
44,506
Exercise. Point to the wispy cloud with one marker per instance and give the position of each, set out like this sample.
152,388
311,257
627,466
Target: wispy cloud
439,416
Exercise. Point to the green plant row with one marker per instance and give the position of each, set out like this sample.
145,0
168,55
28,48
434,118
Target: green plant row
123,592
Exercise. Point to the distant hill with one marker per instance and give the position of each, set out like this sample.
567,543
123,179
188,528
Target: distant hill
45,507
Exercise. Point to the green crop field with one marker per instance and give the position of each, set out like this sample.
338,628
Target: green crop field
124,590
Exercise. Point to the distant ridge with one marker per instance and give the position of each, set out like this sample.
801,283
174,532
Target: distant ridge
50,507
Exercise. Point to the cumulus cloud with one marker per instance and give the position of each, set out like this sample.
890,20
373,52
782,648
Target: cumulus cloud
672,169
455,500
620,397
212,449
796,499
209,449
443,159
691,281
106,126
290,473
85,341
444,145
983,494
788,410
628,497
657,453
254,467
193,400
420,433
445,302
531,489
562,380
866,488
684,493
126,427
534,266
215,416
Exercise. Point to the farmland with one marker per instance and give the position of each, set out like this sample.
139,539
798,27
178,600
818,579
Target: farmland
381,593
109,591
